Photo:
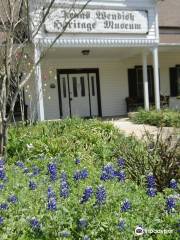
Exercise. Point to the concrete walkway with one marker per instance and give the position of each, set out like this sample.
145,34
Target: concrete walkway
138,130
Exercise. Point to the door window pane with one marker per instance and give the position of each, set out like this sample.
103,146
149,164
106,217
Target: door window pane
75,92
92,85
82,87
64,87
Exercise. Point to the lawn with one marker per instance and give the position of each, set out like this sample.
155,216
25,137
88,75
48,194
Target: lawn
82,179
165,118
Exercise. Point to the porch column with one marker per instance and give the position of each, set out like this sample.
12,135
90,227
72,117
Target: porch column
145,81
38,84
156,77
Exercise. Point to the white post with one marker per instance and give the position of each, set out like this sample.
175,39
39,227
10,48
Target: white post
145,81
156,78
38,84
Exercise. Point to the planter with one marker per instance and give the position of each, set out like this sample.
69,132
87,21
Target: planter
174,103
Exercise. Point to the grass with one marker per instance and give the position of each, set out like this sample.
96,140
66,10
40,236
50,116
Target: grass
166,118
96,144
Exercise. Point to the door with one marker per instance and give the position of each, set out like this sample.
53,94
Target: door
79,94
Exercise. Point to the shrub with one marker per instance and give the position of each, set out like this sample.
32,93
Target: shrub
167,118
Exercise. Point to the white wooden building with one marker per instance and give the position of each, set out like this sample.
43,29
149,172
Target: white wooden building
108,55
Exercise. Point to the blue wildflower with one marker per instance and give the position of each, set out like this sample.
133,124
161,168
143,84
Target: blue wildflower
64,190
1,187
121,225
3,206
84,174
2,174
12,199
32,185
121,176
81,174
100,195
2,163
51,193
77,161
173,184
150,181
63,177
121,162
151,192
170,203
20,164
52,169
108,172
125,206
52,204
1,220
82,223
88,192
34,223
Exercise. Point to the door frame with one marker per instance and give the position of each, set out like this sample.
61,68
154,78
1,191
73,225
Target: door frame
79,71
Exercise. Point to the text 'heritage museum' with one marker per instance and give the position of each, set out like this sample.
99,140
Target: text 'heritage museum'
109,60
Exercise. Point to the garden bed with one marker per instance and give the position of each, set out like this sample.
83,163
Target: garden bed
74,180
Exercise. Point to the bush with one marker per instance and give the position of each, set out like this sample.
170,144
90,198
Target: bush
167,118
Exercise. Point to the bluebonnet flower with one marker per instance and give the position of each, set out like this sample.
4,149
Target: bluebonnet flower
3,206
2,174
151,192
81,174
125,206
65,234
35,225
1,163
52,204
1,220
32,185
170,203
121,162
64,190
77,161
1,186
84,174
173,184
150,181
51,193
88,192
12,199
121,176
121,225
108,172
52,169
63,176
82,223
20,164
86,237
100,195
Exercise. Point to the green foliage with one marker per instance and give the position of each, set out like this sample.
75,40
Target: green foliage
166,117
96,144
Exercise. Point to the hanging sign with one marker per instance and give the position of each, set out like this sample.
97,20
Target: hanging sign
97,21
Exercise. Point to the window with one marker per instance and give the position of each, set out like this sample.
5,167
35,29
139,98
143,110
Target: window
175,81
135,79
92,85
82,87
75,92
64,87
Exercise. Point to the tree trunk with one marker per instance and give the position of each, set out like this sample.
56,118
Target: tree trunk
3,137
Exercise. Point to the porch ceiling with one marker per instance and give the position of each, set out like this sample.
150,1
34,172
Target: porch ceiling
113,53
